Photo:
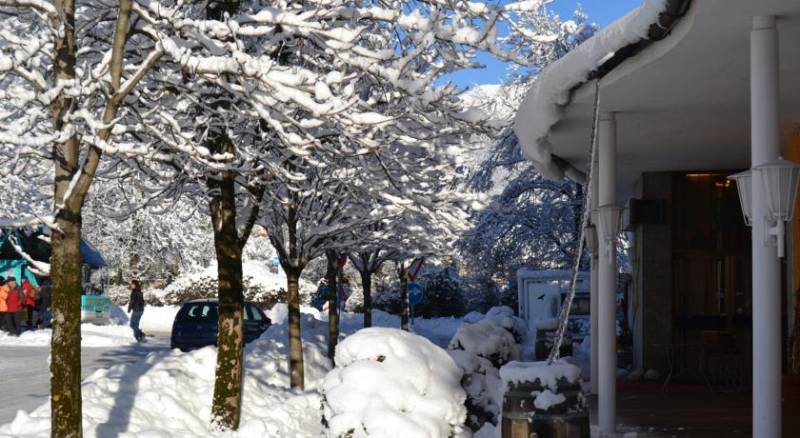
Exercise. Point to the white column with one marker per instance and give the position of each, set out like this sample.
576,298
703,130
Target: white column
607,281
766,267
595,293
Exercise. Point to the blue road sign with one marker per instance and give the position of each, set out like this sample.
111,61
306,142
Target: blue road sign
414,293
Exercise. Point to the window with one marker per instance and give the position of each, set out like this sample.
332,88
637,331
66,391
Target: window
255,314
200,312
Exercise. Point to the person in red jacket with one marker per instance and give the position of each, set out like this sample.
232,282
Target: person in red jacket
14,307
29,294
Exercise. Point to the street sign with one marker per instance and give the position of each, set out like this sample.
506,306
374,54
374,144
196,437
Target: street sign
415,267
414,293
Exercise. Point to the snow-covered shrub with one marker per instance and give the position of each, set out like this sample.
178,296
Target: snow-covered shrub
391,383
481,382
443,294
355,302
486,339
261,286
479,348
504,317
481,295
387,300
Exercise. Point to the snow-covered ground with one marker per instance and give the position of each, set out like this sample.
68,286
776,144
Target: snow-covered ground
168,393
156,320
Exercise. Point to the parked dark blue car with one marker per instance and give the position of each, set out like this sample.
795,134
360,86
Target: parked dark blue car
196,324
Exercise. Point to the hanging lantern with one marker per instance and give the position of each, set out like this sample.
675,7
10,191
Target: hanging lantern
780,181
744,186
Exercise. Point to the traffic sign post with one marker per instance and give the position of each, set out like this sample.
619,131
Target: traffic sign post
415,294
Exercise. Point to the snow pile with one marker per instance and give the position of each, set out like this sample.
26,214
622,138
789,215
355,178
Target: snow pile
261,286
169,394
158,319
551,91
390,383
91,336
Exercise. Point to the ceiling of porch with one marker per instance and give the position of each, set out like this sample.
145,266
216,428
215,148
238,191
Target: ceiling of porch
684,102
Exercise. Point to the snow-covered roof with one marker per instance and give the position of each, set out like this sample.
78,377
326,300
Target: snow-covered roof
676,75
551,92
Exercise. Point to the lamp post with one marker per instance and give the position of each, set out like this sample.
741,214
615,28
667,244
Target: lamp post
780,179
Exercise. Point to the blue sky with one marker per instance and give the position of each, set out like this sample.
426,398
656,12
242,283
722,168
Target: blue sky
601,12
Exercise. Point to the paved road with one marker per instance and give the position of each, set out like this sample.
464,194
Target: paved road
25,373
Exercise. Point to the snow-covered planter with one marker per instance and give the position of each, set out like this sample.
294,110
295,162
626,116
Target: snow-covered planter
547,398
391,383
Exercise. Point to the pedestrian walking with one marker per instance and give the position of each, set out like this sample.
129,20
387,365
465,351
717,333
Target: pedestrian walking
13,307
136,309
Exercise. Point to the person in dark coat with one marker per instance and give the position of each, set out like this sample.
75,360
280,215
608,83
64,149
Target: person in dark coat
43,301
136,309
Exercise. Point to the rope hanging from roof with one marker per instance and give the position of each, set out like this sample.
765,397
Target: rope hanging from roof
585,214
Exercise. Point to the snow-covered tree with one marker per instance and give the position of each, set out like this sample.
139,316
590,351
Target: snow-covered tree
531,222
233,101
66,78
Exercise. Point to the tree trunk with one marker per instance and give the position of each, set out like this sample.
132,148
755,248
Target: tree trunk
331,274
227,403
366,286
404,311
65,260
295,341
65,345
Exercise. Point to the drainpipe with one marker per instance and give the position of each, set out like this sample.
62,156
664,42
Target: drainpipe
765,147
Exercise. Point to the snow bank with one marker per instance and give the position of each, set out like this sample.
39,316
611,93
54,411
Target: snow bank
390,383
551,91
158,319
169,395
91,336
